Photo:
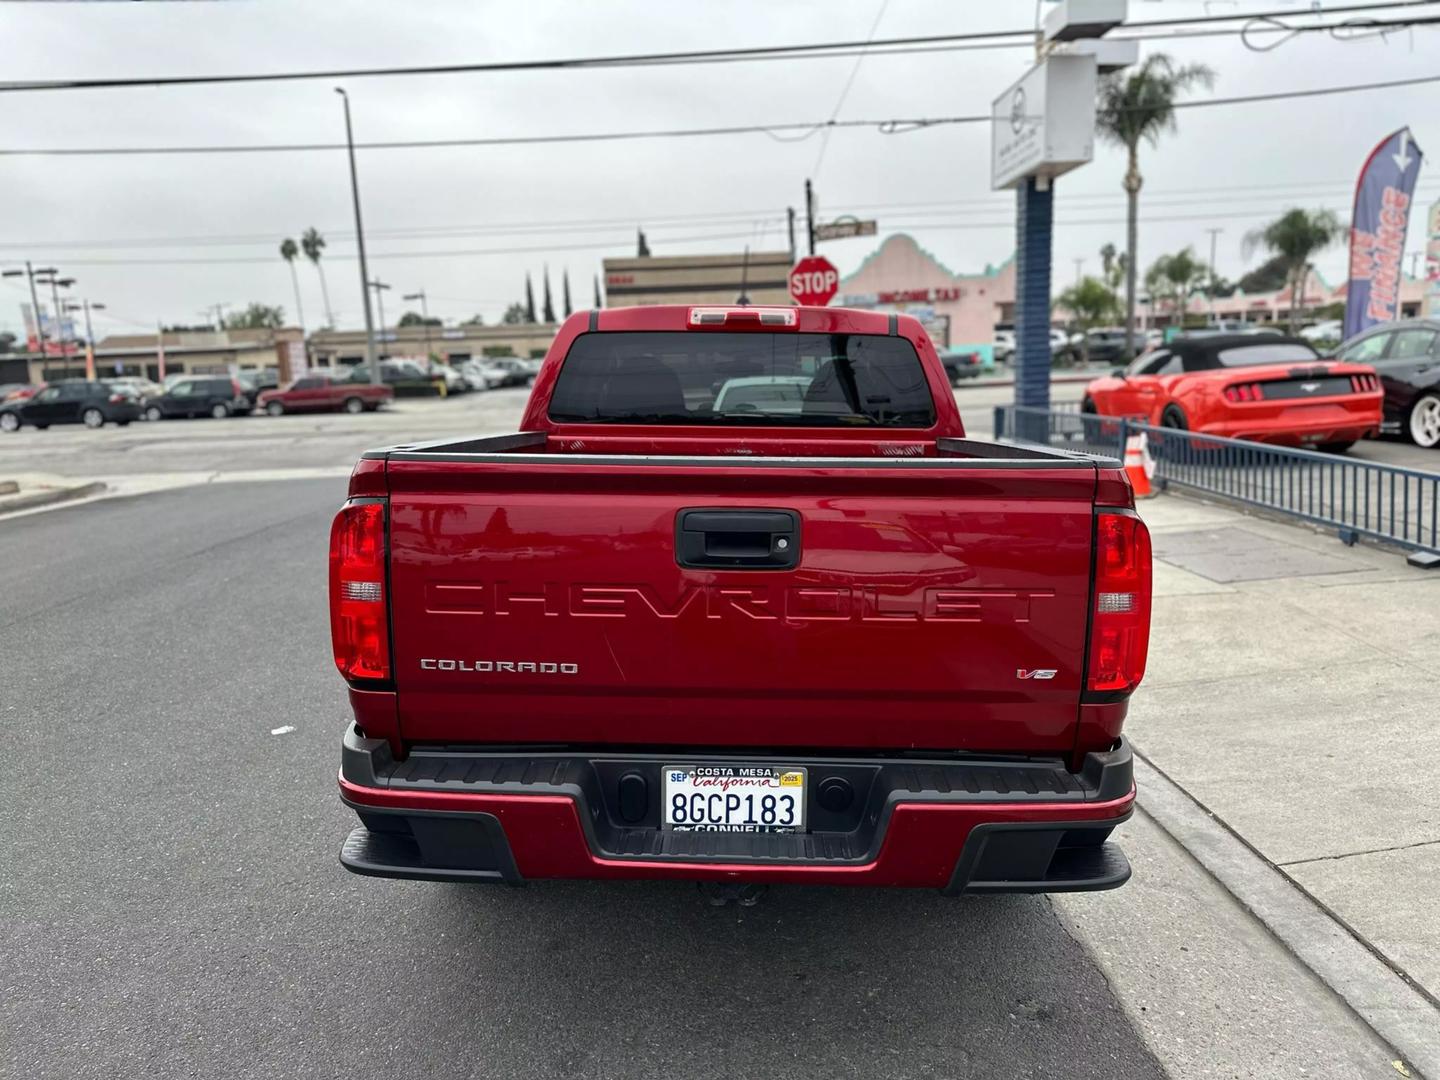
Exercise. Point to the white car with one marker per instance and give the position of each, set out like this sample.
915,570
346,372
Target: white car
481,376
1330,330
1004,345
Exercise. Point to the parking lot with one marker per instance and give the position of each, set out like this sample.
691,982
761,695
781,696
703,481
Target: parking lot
333,440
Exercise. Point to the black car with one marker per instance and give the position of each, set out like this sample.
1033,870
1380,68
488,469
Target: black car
200,395
1108,346
73,401
255,383
1406,356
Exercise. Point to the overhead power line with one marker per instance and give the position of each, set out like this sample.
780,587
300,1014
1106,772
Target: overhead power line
899,126
1016,38
1000,202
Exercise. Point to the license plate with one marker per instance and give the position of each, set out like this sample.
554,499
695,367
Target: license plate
734,798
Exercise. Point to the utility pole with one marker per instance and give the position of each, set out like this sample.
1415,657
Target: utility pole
424,314
380,287
85,305
790,214
1210,292
370,354
30,273
810,215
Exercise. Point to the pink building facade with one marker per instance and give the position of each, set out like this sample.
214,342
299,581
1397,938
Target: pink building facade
959,310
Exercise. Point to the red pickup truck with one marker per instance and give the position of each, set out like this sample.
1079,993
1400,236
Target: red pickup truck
320,392
740,603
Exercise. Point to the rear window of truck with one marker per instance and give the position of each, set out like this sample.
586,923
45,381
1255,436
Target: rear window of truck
715,377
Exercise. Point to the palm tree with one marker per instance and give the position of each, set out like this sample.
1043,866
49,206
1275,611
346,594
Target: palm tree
1134,108
288,251
1293,238
1176,276
313,244
1091,303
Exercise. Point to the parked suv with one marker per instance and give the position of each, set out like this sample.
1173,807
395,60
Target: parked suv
200,395
73,401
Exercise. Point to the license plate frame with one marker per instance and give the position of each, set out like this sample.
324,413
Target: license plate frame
741,789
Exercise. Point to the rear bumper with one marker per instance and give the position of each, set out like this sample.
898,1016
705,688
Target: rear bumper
964,825
1299,425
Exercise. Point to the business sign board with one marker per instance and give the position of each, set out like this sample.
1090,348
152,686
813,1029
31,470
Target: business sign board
843,230
1044,125
44,330
1377,231
1431,306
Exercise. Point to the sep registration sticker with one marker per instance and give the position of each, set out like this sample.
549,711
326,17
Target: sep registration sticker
734,798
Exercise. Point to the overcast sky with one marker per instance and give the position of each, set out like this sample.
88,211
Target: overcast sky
165,237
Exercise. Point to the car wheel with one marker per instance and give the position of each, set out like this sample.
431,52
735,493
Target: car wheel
9,422
220,411
1424,426
1088,406
274,408
92,418
153,413
1335,447
1172,417
353,406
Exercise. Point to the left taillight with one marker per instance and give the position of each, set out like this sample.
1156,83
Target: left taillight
359,601
1120,621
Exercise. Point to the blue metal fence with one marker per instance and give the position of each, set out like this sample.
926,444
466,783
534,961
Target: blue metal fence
1355,498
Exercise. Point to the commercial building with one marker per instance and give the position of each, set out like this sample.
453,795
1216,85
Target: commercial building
152,356
960,311
331,348
761,276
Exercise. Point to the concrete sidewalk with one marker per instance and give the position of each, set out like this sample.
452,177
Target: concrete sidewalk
1291,692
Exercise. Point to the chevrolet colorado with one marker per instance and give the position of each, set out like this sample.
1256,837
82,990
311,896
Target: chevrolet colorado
740,603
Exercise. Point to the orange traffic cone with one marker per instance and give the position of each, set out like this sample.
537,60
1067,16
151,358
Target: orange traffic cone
1139,465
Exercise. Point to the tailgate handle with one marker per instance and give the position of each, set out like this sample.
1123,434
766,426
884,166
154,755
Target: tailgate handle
737,539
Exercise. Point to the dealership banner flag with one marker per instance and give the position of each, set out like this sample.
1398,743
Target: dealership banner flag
1377,231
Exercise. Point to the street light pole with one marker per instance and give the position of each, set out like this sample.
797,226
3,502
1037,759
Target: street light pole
370,354
425,315
29,273
1211,291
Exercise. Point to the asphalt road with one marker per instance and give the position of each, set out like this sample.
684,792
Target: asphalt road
171,903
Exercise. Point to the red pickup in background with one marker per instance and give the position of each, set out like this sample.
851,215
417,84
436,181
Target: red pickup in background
325,393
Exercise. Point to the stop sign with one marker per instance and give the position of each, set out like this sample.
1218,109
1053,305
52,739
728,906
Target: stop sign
814,281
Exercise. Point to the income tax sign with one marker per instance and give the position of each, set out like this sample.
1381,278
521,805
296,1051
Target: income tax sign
814,281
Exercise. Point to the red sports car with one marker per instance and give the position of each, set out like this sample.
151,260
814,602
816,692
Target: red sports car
1265,388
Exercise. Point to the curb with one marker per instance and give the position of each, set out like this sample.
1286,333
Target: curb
48,498
1397,1010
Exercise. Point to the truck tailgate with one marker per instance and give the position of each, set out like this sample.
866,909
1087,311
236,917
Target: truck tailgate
940,607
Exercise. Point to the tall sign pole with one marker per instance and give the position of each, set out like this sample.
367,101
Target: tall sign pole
1042,127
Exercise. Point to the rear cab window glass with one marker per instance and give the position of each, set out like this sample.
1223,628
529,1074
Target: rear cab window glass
1240,356
716,377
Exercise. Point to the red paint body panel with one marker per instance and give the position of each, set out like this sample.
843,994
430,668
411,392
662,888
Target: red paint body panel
916,600
1200,397
921,847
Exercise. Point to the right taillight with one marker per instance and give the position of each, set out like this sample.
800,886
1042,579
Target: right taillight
359,607
1120,622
